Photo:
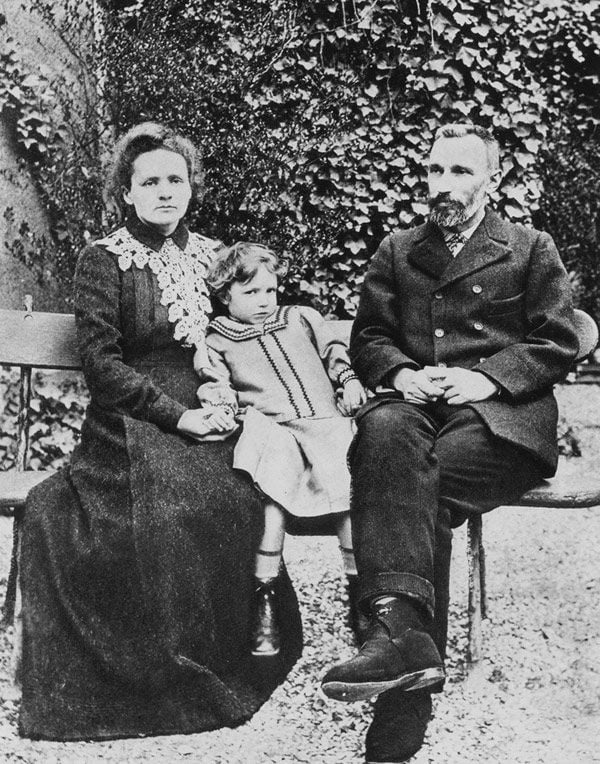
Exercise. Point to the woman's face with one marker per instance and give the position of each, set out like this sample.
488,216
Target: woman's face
160,189
254,301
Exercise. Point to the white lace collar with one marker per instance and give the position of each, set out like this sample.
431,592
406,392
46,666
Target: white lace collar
180,275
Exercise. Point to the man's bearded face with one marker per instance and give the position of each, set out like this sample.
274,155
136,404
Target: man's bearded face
459,179
449,212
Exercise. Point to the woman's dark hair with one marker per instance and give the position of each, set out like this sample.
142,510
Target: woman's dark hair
240,262
148,136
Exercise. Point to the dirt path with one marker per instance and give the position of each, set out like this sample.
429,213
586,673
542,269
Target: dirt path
537,695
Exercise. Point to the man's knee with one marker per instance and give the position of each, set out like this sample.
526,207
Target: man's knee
390,418
393,432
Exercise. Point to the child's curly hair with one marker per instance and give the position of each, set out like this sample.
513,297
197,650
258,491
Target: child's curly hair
240,262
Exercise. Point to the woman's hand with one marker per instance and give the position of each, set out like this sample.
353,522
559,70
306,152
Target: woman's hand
353,397
196,423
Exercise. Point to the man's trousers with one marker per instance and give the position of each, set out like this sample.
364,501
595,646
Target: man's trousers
417,472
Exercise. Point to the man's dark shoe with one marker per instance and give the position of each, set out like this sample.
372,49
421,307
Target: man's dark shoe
264,631
397,652
399,724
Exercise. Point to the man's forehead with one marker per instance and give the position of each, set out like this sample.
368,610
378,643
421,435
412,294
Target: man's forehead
468,150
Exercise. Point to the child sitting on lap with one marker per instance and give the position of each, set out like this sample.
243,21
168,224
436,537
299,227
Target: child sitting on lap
276,368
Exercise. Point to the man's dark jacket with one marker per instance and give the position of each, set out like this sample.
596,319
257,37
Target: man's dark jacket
501,307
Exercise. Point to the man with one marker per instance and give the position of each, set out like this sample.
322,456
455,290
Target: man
464,325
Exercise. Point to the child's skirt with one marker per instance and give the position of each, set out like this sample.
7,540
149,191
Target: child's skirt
301,464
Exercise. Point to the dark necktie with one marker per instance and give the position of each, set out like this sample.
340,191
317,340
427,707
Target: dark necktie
455,242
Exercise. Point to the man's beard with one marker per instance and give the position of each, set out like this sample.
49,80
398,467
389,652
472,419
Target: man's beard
447,212
450,213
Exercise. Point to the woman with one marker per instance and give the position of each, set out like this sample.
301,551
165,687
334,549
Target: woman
136,561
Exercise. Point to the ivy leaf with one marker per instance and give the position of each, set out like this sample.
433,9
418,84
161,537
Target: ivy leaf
355,246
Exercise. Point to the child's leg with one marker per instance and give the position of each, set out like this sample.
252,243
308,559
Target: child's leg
268,557
358,620
265,635
344,534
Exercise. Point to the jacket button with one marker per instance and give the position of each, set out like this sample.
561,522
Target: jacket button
439,332
438,295
477,288
478,326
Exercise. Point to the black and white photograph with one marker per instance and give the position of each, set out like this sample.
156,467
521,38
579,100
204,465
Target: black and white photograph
300,381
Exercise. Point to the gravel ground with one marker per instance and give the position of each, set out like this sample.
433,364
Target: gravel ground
534,698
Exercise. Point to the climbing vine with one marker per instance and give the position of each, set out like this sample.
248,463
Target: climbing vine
55,127
315,117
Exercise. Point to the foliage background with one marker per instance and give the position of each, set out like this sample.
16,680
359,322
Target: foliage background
314,119
56,414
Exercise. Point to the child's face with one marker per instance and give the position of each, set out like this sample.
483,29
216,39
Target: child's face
254,301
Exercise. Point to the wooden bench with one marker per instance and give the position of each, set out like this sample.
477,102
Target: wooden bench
39,340
32,340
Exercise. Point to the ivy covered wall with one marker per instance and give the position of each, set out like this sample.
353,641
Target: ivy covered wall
16,190
315,118
44,86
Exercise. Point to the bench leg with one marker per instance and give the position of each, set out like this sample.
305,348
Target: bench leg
12,610
8,609
483,588
17,646
476,602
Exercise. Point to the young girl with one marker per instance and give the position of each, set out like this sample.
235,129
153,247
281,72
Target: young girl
277,368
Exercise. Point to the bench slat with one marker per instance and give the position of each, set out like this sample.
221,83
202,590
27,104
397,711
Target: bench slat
573,486
42,340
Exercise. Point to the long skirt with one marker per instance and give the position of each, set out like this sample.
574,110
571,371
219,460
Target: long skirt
136,577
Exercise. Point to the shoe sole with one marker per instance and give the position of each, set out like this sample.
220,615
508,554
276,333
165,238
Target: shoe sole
352,691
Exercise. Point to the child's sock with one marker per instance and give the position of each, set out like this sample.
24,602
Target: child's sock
348,561
267,564
358,620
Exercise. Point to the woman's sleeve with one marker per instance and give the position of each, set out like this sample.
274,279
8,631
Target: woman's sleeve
216,389
332,350
113,384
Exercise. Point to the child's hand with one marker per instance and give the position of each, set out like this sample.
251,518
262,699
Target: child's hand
200,422
221,420
353,397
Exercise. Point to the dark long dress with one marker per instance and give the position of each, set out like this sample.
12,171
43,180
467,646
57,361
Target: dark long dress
136,561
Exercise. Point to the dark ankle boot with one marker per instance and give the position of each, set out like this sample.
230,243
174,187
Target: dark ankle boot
399,724
398,652
264,629
358,620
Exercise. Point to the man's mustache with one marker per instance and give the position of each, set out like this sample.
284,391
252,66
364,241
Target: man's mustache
446,200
